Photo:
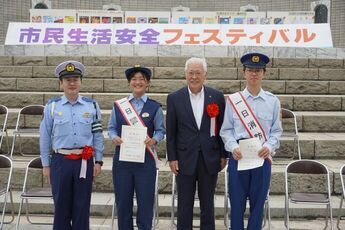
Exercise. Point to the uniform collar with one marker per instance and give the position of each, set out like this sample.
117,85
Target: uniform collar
64,100
261,94
143,98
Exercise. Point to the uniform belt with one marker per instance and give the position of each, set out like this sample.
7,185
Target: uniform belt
69,151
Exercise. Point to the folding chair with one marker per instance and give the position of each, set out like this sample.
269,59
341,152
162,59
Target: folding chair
5,189
305,195
3,126
25,125
155,219
36,191
287,117
267,212
342,174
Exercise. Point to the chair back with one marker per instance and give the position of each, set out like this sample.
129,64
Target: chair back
290,129
32,110
3,122
3,110
5,162
286,113
6,166
307,167
29,117
32,177
314,174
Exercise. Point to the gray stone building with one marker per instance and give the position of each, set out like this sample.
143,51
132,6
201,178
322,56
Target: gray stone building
18,10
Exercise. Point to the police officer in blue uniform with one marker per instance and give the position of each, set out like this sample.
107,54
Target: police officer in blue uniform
72,128
252,184
134,176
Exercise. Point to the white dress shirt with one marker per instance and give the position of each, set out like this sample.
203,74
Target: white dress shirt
197,101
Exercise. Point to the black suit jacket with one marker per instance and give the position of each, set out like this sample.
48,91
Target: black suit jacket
185,140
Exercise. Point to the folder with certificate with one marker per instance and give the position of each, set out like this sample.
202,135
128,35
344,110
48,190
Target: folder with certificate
250,159
133,147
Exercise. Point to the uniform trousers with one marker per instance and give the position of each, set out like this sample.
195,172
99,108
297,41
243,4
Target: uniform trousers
71,194
252,184
141,178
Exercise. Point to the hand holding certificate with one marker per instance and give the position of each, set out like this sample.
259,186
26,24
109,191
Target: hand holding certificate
250,159
133,147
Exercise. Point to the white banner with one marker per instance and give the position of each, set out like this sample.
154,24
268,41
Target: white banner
293,35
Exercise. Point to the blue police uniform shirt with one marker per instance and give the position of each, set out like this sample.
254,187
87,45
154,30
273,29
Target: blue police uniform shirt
138,104
67,125
266,108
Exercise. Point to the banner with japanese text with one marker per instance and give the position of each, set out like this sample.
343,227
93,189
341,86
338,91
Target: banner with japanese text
291,35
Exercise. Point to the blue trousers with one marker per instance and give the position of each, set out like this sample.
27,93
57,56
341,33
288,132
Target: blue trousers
139,177
71,194
252,184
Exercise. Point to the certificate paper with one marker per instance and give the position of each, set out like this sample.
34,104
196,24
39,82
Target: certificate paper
133,147
250,159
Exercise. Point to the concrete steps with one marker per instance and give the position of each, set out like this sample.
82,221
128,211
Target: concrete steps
168,85
101,205
313,146
307,121
103,183
306,102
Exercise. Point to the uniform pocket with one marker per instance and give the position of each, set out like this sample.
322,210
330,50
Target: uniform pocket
265,119
85,126
61,127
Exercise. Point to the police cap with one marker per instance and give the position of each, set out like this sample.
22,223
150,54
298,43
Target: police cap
70,69
138,68
255,60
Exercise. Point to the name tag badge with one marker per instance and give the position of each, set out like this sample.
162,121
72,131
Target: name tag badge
86,115
144,115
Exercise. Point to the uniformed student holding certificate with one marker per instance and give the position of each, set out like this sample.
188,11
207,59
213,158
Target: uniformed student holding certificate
130,173
252,113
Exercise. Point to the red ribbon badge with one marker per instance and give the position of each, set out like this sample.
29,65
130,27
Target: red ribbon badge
86,154
212,110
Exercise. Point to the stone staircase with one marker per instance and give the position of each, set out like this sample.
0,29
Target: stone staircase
314,88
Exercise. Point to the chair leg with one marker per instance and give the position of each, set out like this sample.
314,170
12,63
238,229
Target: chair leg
226,214
287,219
20,145
113,216
339,213
331,214
12,205
19,213
3,210
269,215
12,147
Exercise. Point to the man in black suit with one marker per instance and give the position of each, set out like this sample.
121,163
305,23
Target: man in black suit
195,150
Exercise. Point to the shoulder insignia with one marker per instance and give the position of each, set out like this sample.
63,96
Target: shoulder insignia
54,99
88,99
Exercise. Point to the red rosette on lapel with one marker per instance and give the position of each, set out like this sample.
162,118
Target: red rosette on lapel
213,111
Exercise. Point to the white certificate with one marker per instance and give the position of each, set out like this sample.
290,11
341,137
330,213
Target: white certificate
133,147
250,159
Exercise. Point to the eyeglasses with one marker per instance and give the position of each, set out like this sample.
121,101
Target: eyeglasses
197,74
